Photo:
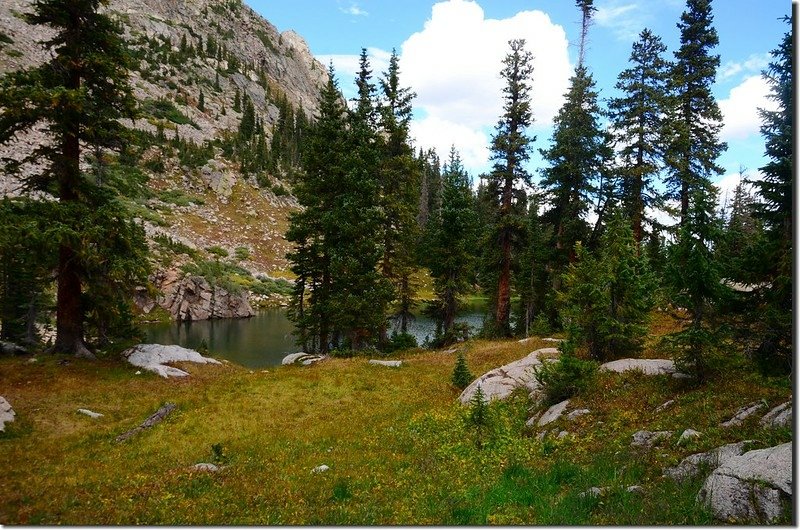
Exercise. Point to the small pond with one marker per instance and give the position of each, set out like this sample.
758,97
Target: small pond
265,339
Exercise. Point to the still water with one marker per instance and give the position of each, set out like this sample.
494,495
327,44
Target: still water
265,339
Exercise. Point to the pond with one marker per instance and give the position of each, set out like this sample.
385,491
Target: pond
265,339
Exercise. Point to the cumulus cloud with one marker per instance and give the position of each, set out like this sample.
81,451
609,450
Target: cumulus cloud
453,65
740,108
347,67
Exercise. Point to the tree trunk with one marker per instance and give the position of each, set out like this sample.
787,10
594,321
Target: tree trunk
504,281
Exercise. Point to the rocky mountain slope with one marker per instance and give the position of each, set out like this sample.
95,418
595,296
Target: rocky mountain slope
199,65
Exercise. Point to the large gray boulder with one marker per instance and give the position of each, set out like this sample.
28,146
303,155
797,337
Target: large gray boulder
501,382
7,414
780,416
692,465
751,488
302,358
154,357
646,366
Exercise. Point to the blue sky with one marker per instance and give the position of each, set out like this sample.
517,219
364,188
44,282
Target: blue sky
450,55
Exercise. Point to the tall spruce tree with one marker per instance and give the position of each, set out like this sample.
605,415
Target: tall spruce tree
694,119
511,146
78,95
449,246
400,178
773,207
637,119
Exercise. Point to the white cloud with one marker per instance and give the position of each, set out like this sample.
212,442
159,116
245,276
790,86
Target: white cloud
727,184
740,108
453,65
440,134
754,63
347,67
625,20
354,10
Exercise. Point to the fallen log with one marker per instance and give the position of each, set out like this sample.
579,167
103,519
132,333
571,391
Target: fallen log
154,419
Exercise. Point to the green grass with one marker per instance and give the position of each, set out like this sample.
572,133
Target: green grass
398,445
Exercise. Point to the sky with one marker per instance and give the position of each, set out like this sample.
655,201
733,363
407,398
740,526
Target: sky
451,52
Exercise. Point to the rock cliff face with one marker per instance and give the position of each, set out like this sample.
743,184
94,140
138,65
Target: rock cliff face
189,298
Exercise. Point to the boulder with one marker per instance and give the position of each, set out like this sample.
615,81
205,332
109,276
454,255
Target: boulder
153,357
646,366
648,438
743,413
780,416
553,413
7,414
689,434
10,348
751,488
501,382
392,364
691,466
302,358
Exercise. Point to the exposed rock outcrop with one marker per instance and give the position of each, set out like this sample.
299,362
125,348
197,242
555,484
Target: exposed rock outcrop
501,382
647,439
752,488
692,465
154,357
190,298
780,416
646,366
743,413
391,364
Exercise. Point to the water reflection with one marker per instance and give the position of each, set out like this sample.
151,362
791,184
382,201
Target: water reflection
265,339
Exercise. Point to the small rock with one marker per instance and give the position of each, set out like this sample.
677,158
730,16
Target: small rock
302,358
205,466
576,413
743,413
90,413
635,489
665,406
64,362
393,364
780,416
138,372
682,376
7,414
594,491
648,438
33,360
551,339
562,434
320,469
553,413
689,434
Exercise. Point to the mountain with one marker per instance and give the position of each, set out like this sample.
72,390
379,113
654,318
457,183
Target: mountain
225,98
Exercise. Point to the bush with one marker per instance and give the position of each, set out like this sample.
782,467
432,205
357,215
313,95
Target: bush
565,377
241,253
401,341
461,377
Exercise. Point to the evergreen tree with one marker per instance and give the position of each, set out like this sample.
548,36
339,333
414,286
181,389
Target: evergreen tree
449,246
78,95
461,377
510,150
694,120
247,127
237,101
607,298
773,208
399,187
637,119
578,157
201,102
535,298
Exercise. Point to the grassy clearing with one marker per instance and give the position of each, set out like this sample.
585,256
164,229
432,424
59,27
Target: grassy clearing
396,442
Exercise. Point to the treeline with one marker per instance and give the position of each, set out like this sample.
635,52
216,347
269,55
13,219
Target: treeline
579,250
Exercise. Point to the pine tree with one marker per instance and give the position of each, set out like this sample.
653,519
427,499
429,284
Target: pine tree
449,246
511,147
461,377
607,298
578,157
694,120
637,118
78,95
237,101
399,190
201,102
773,207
